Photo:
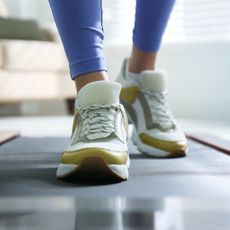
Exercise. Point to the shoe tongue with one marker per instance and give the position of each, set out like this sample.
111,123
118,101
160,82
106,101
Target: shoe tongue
99,93
154,80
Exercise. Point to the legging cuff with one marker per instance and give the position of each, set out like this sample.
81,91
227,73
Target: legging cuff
87,66
147,46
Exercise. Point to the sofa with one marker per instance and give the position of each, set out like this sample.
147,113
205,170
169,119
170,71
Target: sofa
33,65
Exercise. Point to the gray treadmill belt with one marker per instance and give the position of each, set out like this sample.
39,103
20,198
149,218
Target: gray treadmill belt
28,167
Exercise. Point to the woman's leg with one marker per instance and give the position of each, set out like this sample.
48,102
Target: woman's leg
150,23
80,26
145,92
98,148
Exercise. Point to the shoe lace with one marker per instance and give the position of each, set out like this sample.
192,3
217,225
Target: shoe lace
97,121
159,108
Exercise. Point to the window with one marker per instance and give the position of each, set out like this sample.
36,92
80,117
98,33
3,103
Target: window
190,20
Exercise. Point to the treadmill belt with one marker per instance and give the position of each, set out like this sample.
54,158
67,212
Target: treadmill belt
28,167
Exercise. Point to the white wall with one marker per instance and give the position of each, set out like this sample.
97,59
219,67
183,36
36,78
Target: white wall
199,77
13,7
36,9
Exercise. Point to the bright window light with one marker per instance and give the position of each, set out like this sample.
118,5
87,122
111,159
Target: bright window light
190,20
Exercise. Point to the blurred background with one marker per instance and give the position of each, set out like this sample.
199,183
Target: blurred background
35,86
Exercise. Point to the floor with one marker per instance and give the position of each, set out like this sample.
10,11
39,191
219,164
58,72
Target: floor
71,213
184,193
61,126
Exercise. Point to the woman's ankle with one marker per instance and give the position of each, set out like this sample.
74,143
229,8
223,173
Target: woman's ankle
141,60
85,79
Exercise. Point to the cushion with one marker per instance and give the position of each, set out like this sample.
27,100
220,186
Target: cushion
12,28
18,86
32,55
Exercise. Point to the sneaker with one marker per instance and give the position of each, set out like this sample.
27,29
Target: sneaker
98,144
144,97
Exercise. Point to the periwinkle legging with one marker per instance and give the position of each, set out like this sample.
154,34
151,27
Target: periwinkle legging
81,29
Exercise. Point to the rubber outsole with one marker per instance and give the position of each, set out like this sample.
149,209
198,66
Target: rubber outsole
154,152
151,151
93,169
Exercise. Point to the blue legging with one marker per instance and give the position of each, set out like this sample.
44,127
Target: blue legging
80,26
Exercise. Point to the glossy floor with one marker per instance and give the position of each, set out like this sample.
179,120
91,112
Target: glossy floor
114,214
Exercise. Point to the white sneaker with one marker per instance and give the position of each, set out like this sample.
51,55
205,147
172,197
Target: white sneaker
145,99
98,144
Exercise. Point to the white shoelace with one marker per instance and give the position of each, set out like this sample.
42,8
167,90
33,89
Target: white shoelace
159,108
98,121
